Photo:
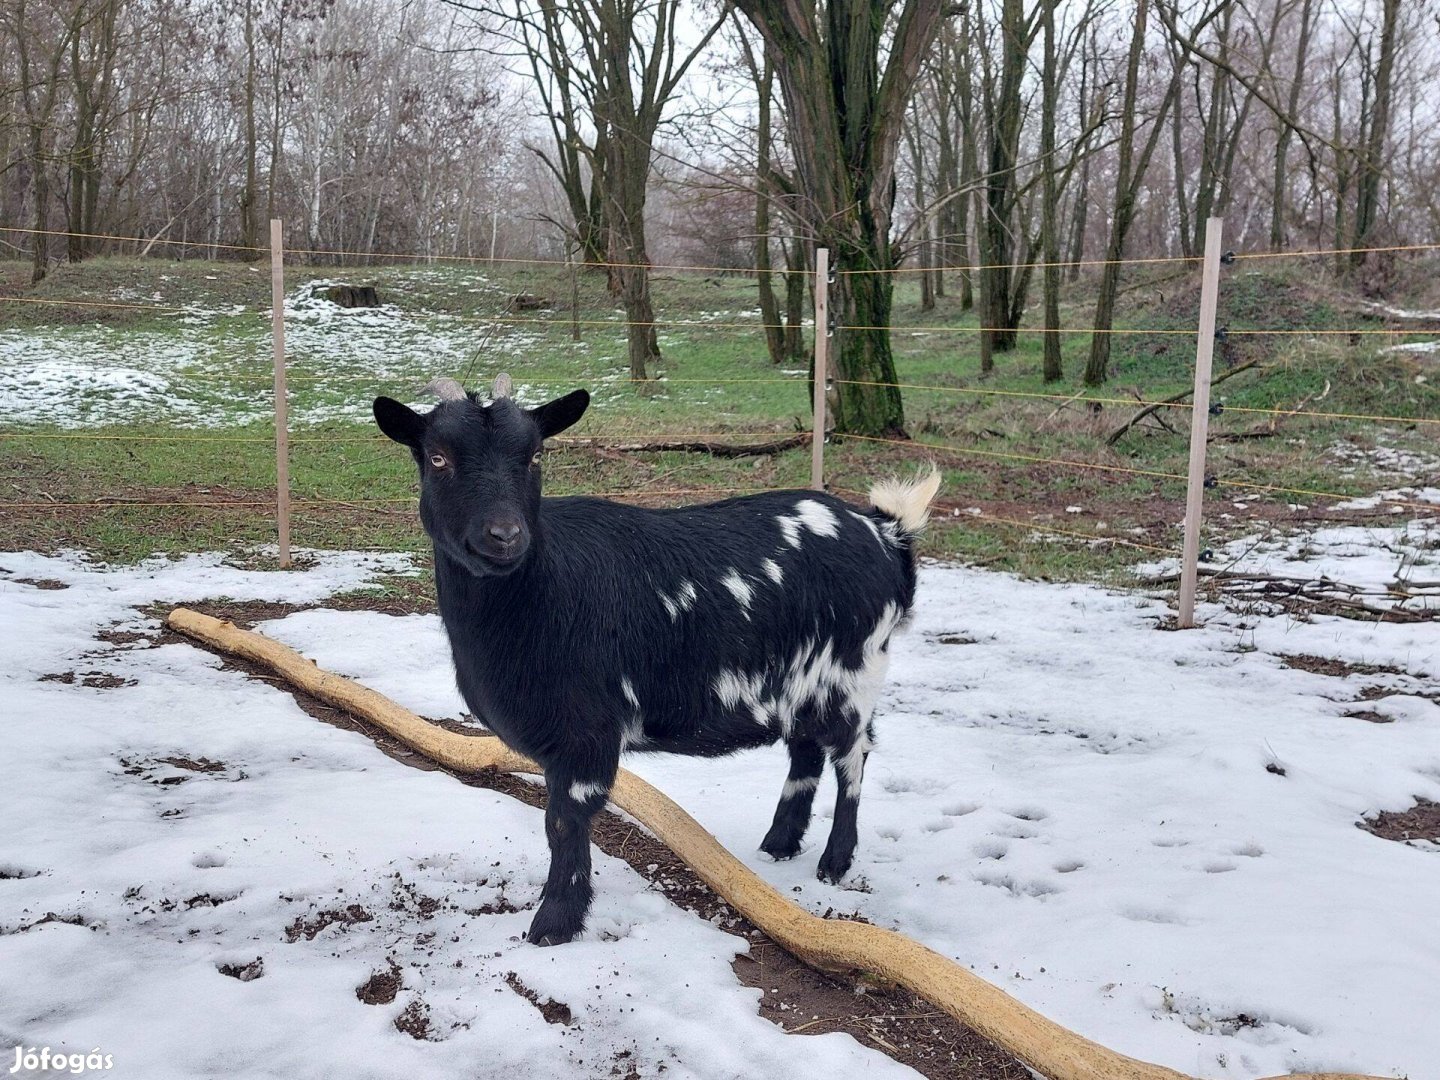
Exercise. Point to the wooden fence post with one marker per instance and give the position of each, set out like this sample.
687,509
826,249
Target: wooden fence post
822,355
1200,421
282,418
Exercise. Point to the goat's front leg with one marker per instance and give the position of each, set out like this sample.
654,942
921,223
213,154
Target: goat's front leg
575,796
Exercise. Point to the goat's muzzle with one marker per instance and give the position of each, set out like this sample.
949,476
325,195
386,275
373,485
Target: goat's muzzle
499,543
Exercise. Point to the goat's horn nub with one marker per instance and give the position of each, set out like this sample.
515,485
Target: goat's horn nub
444,389
503,387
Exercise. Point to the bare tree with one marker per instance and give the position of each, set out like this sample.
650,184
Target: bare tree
1130,172
844,110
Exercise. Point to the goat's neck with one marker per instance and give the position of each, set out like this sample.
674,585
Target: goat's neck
487,598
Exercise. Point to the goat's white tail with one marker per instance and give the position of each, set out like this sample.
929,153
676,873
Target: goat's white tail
907,501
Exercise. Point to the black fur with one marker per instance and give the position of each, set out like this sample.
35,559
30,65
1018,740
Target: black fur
562,635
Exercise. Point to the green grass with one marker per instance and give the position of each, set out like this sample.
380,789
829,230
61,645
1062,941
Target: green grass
354,489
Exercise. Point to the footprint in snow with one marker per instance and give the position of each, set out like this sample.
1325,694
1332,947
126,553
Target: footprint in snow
959,809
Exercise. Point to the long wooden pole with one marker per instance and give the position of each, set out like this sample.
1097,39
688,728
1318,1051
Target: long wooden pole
1200,421
827,944
822,357
282,410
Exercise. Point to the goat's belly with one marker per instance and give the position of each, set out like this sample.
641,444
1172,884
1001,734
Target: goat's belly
709,736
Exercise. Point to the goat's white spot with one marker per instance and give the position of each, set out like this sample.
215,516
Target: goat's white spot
869,523
796,787
583,791
683,600
739,588
773,571
633,733
851,765
814,675
809,514
735,688
628,689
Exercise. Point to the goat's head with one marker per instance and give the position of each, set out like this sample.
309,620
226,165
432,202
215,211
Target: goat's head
479,468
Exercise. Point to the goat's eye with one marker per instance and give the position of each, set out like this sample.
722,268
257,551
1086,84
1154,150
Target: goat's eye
535,457
438,460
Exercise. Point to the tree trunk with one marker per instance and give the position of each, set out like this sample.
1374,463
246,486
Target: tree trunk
1279,191
1372,165
249,196
1130,174
1004,111
864,356
765,283
1049,225
796,278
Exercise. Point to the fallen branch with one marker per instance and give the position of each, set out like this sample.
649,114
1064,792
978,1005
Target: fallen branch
827,944
1174,399
701,446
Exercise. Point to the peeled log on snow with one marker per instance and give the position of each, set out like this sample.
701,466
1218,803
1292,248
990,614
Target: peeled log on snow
831,945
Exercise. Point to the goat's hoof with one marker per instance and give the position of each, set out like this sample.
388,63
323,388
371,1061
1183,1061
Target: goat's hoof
833,871
552,928
780,850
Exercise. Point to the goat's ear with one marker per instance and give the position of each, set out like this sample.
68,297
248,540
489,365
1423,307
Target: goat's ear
400,422
555,416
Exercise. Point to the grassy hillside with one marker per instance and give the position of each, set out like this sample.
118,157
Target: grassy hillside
175,372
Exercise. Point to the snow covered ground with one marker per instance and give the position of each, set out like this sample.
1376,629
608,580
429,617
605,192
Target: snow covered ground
1150,836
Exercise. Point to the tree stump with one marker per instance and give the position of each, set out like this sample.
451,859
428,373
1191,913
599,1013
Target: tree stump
352,296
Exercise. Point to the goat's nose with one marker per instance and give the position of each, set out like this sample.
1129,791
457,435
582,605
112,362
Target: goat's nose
504,533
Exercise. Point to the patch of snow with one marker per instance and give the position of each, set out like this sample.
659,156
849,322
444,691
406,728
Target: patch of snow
1400,313
1368,558
298,844
1422,348
1072,802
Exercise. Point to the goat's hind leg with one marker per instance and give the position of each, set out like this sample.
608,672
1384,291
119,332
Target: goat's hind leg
849,759
792,815
572,802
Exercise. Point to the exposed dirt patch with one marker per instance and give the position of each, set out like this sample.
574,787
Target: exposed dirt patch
48,584
381,987
207,900
123,638
244,972
415,1020
408,898
248,613
98,680
200,765
554,1012
17,873
309,927
1420,822
51,917
1370,715
1328,665
150,770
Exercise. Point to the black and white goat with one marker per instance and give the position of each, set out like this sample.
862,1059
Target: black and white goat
583,628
